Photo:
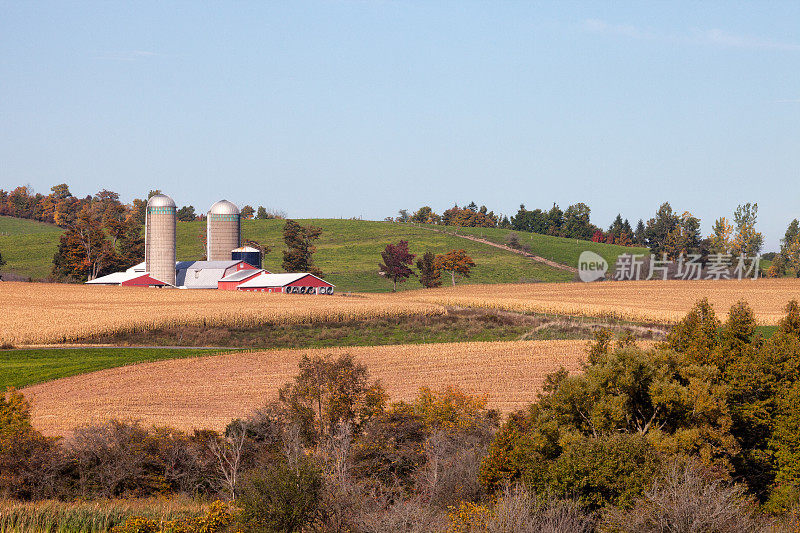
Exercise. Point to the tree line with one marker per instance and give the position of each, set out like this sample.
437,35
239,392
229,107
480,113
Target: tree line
668,232
702,428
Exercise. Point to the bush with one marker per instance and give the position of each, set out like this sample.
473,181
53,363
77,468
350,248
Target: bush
519,511
688,499
601,472
216,520
280,498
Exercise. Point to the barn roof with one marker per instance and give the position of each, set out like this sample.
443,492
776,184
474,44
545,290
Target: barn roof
239,275
277,280
118,278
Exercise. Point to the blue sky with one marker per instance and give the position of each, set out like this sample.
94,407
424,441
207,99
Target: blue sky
359,108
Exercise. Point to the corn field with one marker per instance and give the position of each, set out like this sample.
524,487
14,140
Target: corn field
88,517
650,301
176,393
37,313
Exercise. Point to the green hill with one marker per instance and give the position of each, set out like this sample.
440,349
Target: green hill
28,246
558,249
348,251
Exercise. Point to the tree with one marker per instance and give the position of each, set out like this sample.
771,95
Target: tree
640,235
186,213
261,214
403,216
720,239
299,240
659,228
747,240
396,261
247,212
429,275
425,215
684,238
328,392
577,224
456,262
83,250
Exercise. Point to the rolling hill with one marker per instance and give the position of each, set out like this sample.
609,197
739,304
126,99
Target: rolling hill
28,246
348,251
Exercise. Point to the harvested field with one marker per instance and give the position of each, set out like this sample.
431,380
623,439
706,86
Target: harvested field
650,301
38,313
208,392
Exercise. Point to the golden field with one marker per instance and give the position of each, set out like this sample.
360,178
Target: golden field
39,313
651,301
35,313
208,392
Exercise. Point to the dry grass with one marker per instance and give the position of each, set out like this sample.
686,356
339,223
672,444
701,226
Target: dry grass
208,392
35,313
656,301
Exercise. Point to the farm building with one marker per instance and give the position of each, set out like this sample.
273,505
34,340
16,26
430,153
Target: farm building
293,283
128,278
206,274
232,281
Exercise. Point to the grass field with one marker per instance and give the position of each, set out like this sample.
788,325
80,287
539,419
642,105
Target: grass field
27,246
208,392
558,249
19,368
348,252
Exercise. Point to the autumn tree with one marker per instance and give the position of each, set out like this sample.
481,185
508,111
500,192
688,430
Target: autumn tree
746,239
720,239
299,241
425,215
328,392
429,275
247,212
396,261
456,262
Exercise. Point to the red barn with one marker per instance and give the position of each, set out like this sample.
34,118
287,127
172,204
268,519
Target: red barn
290,283
232,281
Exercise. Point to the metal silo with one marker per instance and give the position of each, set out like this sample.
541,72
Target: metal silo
159,238
224,231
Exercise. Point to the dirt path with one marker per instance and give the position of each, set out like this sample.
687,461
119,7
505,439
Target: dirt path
533,257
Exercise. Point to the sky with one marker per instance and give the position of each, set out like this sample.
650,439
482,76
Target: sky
362,108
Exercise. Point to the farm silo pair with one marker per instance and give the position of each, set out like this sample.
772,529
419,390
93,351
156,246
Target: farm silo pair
223,235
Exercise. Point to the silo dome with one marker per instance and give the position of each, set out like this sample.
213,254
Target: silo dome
224,231
223,207
160,200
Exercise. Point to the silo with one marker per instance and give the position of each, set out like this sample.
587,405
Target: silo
224,231
159,238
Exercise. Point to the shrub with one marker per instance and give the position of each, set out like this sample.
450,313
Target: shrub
280,498
688,499
519,511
